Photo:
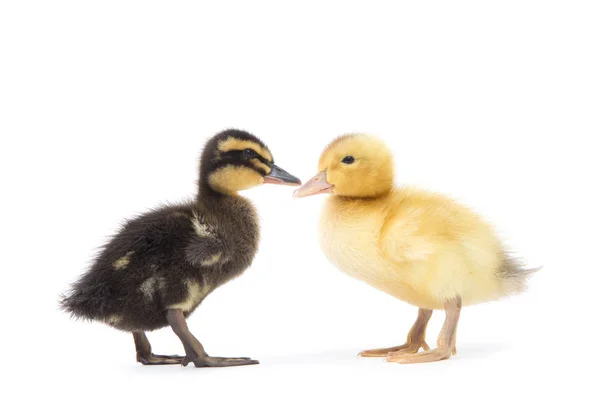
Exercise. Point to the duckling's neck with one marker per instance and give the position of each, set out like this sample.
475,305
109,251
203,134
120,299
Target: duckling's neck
222,209
210,199
207,193
369,199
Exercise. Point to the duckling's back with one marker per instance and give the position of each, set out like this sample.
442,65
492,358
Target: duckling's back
420,247
131,269
175,255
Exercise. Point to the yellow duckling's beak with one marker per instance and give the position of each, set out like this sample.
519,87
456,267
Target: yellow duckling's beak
316,185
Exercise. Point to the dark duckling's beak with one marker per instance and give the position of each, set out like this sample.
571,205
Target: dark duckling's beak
279,176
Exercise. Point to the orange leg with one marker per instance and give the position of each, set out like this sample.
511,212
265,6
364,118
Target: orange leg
446,341
414,341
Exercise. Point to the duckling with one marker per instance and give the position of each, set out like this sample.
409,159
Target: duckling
161,265
420,247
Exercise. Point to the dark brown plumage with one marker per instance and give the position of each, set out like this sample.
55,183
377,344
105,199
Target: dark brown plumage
161,265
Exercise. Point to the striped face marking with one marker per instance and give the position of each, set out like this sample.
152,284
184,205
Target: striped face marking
260,165
239,164
233,143
233,178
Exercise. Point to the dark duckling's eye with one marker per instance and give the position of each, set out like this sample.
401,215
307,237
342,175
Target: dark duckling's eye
249,153
348,160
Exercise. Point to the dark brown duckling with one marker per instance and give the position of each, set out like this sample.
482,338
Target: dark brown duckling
161,265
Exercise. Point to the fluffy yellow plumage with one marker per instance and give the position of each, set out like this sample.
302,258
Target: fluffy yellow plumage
420,247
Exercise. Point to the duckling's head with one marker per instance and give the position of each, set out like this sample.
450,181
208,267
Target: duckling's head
235,160
353,165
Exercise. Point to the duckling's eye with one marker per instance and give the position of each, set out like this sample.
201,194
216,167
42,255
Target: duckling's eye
249,153
348,160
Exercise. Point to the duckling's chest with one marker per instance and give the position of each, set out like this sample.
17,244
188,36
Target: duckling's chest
349,238
240,230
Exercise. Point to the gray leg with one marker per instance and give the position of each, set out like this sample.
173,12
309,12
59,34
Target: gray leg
193,348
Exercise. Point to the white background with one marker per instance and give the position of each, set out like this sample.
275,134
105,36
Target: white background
104,109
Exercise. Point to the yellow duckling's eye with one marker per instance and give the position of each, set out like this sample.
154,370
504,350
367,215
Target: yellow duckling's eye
249,153
348,160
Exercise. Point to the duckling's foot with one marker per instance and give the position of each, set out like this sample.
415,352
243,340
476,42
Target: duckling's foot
144,353
207,361
154,359
193,348
414,341
446,340
407,348
425,356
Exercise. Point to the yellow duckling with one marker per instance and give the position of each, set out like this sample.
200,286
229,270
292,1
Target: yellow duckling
420,247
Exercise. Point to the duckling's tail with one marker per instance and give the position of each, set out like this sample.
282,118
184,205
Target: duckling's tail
86,303
513,276
70,303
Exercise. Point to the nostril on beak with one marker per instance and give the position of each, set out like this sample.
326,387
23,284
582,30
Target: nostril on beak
315,185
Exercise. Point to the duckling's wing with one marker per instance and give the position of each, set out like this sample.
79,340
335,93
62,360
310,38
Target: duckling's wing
405,238
206,248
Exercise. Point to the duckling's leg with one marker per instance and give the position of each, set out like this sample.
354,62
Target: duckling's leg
194,351
414,341
446,341
144,352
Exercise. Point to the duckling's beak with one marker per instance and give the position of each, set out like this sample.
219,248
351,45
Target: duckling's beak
316,185
280,177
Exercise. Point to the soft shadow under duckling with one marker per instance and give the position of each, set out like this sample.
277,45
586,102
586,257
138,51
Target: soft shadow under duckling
420,247
161,265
